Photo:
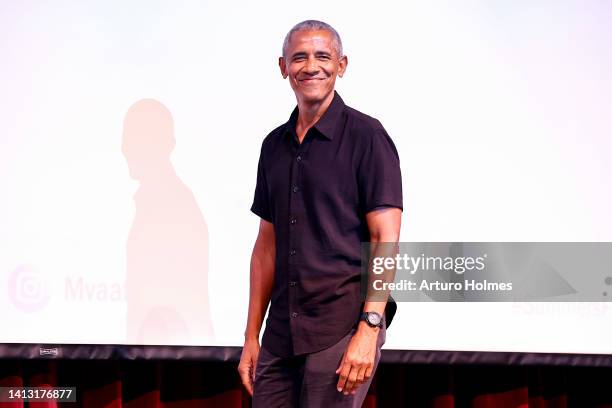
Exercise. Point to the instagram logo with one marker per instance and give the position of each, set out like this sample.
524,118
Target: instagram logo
27,289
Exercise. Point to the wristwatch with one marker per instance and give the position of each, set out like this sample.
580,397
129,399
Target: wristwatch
373,319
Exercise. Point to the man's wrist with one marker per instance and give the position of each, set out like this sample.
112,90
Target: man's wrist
363,327
251,336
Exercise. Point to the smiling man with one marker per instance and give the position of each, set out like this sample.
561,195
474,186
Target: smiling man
328,179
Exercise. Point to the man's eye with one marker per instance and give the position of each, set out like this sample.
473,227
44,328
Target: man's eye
299,59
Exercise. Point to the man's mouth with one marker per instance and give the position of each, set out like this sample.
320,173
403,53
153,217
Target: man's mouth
310,80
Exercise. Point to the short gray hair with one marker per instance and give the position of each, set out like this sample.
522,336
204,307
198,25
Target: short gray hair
314,25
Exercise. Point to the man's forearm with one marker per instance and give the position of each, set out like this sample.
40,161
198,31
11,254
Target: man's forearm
261,282
384,235
376,301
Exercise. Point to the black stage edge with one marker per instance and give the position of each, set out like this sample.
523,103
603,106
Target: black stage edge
30,351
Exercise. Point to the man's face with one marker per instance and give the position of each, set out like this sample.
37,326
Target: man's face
312,64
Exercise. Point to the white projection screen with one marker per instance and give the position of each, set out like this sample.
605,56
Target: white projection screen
130,134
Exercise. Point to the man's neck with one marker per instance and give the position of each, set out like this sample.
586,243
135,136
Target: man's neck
310,113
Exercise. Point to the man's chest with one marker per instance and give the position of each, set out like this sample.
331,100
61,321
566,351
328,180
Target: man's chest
319,170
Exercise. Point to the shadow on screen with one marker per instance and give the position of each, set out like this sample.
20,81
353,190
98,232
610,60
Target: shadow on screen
167,246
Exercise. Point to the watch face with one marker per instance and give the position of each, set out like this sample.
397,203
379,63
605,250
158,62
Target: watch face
373,319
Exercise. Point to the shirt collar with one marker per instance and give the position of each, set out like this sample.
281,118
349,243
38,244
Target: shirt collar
326,125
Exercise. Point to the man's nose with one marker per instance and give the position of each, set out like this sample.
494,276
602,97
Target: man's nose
312,66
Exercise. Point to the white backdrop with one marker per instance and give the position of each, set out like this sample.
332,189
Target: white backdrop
500,112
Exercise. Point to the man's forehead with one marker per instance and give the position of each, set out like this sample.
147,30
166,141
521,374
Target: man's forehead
311,38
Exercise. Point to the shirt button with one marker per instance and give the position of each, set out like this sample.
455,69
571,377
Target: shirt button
292,283
299,158
294,314
295,189
292,252
293,221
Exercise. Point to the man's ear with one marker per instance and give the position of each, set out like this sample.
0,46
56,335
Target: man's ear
283,67
343,63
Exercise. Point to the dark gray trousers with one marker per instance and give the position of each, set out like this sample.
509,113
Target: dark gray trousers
307,380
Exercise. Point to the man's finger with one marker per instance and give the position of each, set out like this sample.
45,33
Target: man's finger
346,369
368,372
245,376
341,364
360,379
254,368
350,383
248,385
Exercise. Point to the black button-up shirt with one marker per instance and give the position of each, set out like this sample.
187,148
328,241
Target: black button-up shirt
317,193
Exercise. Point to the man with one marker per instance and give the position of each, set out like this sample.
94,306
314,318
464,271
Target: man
327,180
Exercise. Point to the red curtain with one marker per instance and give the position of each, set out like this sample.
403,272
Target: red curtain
183,384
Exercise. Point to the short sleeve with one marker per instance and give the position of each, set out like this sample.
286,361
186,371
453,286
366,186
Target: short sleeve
261,204
379,175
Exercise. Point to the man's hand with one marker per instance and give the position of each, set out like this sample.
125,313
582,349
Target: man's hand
248,364
358,361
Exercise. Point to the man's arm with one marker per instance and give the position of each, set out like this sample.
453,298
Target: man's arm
384,226
261,282
358,362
